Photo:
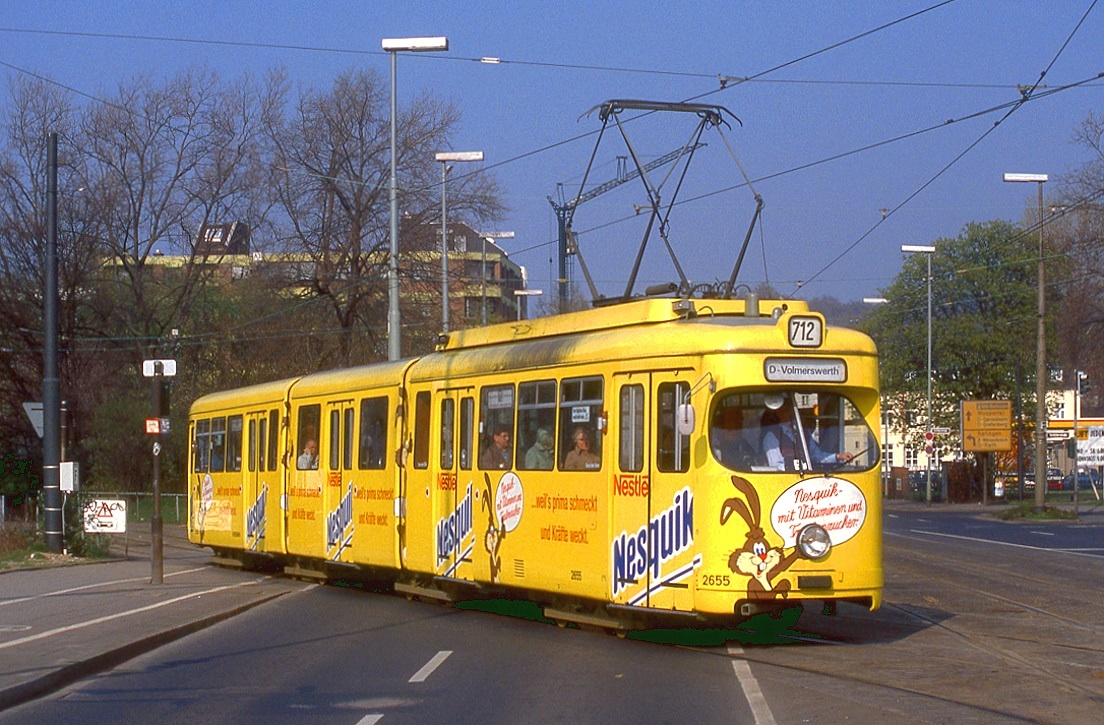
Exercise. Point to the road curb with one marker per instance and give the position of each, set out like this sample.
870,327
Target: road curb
68,674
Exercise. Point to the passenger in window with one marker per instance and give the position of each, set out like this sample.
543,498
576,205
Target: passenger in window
496,456
540,457
581,457
308,459
729,439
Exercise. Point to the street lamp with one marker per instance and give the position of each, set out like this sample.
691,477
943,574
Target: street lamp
1040,354
445,157
519,293
394,46
929,437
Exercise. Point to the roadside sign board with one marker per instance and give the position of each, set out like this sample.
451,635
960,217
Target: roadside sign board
986,425
105,516
168,368
34,412
1090,446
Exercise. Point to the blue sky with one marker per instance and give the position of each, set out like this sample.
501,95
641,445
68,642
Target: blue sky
562,58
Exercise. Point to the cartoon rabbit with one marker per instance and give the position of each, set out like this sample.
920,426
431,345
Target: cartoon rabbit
492,542
757,559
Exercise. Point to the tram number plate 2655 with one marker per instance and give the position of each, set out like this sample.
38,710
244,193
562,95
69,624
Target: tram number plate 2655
806,331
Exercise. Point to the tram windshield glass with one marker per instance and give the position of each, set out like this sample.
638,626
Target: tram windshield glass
790,431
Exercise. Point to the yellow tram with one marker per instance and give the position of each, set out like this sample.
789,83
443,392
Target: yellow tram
695,460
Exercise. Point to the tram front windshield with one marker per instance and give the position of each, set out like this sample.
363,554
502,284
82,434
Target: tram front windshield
790,431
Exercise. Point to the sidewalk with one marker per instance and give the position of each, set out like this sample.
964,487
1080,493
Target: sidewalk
63,624
1091,508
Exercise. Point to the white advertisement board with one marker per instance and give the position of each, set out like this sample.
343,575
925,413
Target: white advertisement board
1090,449
105,516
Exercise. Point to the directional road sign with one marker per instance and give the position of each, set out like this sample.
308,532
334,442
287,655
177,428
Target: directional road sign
986,425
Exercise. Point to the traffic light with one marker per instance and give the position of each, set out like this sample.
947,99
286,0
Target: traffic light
1083,386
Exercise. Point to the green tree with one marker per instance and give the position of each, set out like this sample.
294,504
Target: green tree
982,322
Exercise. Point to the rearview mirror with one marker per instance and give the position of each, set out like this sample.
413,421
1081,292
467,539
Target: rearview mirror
684,419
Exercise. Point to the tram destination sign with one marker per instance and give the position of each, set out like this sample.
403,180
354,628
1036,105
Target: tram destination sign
805,370
986,425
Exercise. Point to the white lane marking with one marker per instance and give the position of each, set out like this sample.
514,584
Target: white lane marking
94,586
370,719
119,615
754,694
988,541
1043,533
427,670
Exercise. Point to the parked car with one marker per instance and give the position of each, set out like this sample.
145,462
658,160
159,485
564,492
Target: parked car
1086,478
918,485
1054,479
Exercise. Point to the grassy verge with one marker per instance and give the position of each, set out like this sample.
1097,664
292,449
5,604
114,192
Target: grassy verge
22,546
1026,511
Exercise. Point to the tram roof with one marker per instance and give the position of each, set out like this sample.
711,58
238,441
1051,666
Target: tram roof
261,393
636,313
646,329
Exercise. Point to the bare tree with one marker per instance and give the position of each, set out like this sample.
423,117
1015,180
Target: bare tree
158,161
33,109
1076,229
332,153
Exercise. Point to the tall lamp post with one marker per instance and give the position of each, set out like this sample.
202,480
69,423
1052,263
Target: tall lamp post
445,157
394,46
929,436
1040,354
886,464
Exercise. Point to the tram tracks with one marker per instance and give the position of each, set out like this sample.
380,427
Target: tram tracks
974,579
1005,638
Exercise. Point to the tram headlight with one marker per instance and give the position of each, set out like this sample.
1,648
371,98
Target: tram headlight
813,542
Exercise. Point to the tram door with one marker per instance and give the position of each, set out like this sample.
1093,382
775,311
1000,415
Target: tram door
336,461
652,552
259,485
452,499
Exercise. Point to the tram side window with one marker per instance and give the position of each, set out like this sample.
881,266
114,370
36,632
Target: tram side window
467,423
273,428
262,443
218,444
234,444
421,429
448,439
251,446
496,427
373,433
202,445
673,448
581,405
335,440
348,431
536,426
310,421
631,427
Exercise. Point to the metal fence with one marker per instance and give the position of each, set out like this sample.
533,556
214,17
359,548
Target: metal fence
27,507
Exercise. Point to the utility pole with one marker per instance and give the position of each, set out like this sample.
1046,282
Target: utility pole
51,385
156,425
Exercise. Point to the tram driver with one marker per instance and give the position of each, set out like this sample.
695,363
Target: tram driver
780,441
